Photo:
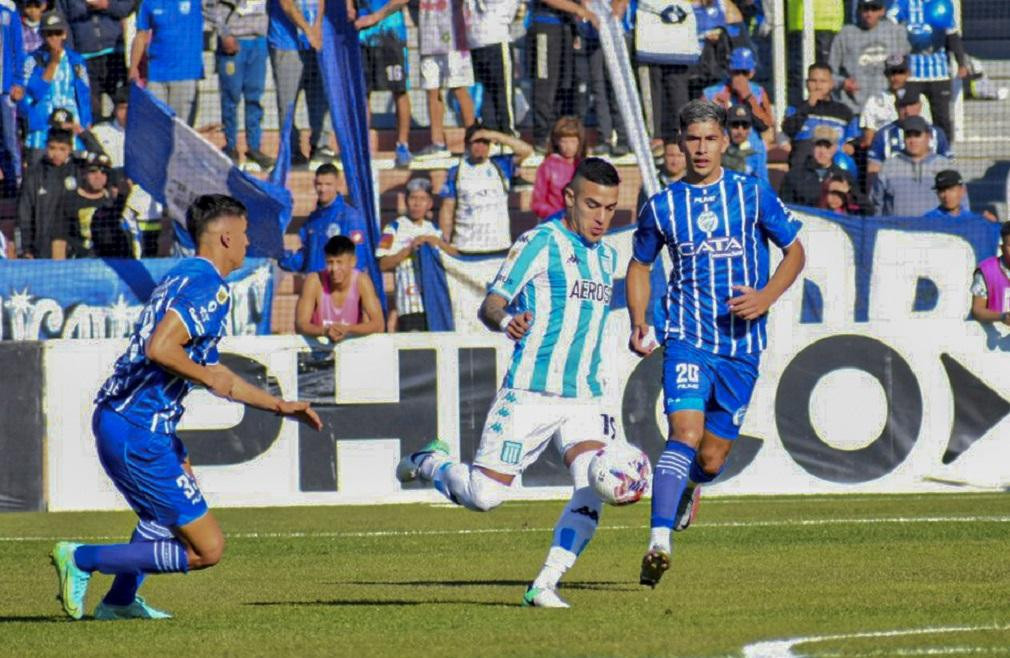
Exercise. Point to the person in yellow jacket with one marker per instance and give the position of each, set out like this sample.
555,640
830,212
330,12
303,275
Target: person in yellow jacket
829,16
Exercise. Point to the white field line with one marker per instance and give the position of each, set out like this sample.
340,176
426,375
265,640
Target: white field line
795,523
784,648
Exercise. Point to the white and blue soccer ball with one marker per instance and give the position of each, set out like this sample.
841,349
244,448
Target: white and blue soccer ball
620,473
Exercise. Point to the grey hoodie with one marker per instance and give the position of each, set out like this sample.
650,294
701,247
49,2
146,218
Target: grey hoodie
859,54
904,187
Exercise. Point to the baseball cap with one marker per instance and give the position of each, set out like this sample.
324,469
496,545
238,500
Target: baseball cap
947,178
915,123
741,59
825,134
908,98
53,21
876,3
419,183
97,161
60,116
738,114
895,63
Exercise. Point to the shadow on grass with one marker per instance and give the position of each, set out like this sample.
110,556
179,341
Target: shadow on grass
36,619
608,585
369,602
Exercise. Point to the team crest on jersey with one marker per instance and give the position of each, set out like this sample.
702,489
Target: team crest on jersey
708,220
70,182
332,230
222,295
738,416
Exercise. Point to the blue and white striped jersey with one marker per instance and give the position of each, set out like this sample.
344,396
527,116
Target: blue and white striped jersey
144,393
717,236
929,59
566,283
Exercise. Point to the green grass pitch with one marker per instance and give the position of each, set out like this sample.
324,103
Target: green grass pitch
854,575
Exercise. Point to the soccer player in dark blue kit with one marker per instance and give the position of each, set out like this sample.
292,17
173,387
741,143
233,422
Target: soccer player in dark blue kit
173,349
716,225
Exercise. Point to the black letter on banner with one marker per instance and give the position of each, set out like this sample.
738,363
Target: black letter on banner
413,420
904,409
977,408
644,386
253,435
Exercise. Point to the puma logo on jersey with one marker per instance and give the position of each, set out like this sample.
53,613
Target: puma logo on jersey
719,247
591,290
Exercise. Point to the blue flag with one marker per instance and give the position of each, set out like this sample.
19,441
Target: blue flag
430,273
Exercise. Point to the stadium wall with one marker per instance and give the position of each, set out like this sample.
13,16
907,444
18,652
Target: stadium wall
875,381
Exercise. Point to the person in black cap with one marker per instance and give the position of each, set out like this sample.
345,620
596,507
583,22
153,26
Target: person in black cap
746,153
952,194
890,139
57,78
881,109
904,186
81,205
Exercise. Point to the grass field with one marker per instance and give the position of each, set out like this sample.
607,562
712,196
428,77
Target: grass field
854,575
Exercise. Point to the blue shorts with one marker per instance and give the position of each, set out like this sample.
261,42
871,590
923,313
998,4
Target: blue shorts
147,469
720,386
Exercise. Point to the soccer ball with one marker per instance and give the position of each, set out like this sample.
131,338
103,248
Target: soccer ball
620,473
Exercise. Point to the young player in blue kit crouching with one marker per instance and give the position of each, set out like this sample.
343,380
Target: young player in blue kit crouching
716,225
173,349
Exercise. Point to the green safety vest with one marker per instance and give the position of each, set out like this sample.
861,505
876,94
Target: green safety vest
828,15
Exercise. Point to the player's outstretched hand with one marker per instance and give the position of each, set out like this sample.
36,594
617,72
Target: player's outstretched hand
519,325
302,412
750,304
643,340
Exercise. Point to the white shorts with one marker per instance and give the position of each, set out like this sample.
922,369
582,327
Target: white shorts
521,423
447,71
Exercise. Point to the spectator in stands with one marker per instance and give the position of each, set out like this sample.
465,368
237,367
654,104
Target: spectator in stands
170,32
672,169
474,216
740,90
929,60
84,139
241,60
140,210
332,216
338,301
383,39
31,24
551,57
859,52
488,36
609,122
802,185
40,199
951,194
882,108
90,197
445,65
890,139
12,91
818,110
828,18
400,241
96,32
990,286
57,79
567,148
840,196
904,186
746,152
294,36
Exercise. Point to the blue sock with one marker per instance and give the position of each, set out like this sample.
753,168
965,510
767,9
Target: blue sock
125,585
699,476
669,481
162,556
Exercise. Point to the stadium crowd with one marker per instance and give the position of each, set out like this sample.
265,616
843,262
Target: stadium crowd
867,132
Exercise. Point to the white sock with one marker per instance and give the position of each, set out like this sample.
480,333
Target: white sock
426,469
575,528
660,538
468,486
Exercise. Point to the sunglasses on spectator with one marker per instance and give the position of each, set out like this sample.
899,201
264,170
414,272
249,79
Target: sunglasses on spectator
739,124
913,133
739,72
825,143
893,71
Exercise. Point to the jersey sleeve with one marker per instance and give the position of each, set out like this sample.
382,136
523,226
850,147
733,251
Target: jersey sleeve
526,259
202,307
507,165
448,190
978,285
778,223
144,16
876,150
648,239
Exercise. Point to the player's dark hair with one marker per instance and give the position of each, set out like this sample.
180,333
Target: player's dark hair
597,170
338,245
60,136
327,169
208,208
1004,231
701,110
818,66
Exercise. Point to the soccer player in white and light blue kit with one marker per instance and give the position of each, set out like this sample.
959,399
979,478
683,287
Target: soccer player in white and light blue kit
552,297
716,225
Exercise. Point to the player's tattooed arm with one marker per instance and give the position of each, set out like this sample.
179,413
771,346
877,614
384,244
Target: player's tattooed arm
751,304
494,316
